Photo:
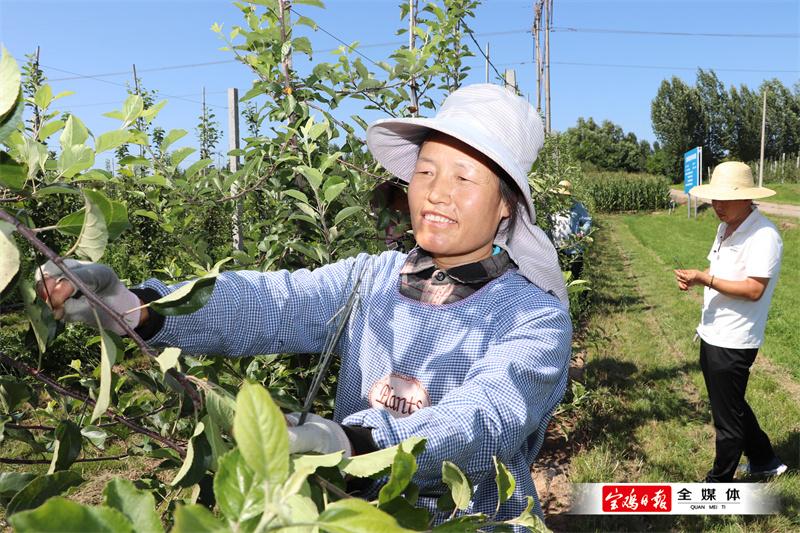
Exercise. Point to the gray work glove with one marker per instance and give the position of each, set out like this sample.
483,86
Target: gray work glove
318,435
71,306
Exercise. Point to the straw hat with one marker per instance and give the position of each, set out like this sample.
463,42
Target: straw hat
731,180
504,127
564,187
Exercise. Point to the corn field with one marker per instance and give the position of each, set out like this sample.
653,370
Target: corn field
611,192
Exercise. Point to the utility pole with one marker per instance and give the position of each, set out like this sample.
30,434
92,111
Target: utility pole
511,78
548,26
537,26
233,164
412,22
139,122
487,62
763,131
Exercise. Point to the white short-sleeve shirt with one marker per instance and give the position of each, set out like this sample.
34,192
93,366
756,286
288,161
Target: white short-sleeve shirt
754,249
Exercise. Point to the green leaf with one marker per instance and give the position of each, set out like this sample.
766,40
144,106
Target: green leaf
34,155
346,213
39,316
333,191
9,82
93,237
110,348
13,482
305,465
189,297
170,138
13,393
463,524
67,446
74,159
214,437
60,515
12,120
297,195
138,506
41,488
57,189
50,128
239,494
354,515
308,210
506,484
313,175
180,154
260,432
529,519
155,179
168,359
115,214
196,167
110,140
9,256
12,174
403,468
94,174
131,110
371,464
43,96
95,435
460,487
197,461
75,132
221,408
195,518
147,214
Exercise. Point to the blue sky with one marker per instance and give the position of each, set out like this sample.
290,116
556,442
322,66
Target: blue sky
605,75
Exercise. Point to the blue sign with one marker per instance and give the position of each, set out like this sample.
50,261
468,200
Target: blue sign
691,168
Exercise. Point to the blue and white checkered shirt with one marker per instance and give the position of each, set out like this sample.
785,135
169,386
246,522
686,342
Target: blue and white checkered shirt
486,371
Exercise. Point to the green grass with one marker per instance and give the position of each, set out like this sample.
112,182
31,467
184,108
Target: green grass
785,193
648,417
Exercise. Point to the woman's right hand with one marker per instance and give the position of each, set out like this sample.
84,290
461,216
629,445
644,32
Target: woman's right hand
70,305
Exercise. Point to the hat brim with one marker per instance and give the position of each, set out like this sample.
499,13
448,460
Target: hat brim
395,143
717,192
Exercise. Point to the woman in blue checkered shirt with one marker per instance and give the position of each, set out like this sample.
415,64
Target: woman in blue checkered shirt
464,341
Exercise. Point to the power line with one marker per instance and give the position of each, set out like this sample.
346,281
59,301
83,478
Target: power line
154,69
680,33
116,102
326,32
656,67
472,36
125,86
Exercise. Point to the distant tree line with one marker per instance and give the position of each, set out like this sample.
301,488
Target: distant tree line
606,146
726,123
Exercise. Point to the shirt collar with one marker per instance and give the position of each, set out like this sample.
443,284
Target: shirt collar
746,223
492,267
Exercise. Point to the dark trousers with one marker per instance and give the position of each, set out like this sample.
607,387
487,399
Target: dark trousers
726,371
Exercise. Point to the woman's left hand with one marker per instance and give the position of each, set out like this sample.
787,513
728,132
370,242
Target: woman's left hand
317,434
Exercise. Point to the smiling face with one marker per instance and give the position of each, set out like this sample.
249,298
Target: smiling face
455,202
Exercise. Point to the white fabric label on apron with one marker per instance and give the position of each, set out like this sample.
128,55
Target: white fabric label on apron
400,395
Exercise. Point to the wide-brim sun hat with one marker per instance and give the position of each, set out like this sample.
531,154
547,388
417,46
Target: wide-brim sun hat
731,180
507,129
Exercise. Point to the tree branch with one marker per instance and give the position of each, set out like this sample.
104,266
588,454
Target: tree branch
8,461
50,382
96,301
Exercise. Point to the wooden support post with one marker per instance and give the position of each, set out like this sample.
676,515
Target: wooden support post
763,131
233,164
